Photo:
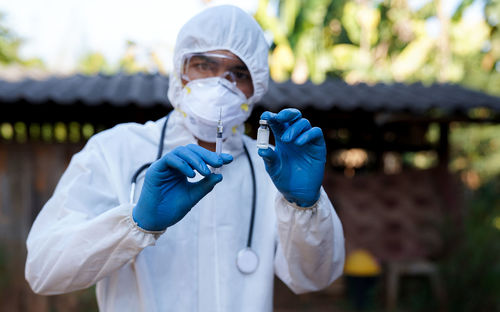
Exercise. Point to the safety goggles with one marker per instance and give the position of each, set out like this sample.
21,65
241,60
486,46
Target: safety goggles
212,64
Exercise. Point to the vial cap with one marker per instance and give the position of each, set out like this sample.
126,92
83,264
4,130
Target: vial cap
263,122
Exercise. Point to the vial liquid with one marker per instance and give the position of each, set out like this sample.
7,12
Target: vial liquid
263,135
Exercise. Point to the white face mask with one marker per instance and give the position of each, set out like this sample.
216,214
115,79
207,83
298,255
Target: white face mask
206,100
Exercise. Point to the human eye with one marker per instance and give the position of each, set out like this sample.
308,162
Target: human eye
200,65
242,75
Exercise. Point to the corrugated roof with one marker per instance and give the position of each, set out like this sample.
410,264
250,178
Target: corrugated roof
146,90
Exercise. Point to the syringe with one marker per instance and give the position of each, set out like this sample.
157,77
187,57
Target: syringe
218,139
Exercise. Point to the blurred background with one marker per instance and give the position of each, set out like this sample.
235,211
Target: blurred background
407,93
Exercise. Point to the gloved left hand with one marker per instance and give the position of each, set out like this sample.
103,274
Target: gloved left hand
297,164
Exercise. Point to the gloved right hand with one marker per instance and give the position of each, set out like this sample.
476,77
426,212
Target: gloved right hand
167,196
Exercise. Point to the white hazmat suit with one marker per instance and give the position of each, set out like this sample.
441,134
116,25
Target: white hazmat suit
85,234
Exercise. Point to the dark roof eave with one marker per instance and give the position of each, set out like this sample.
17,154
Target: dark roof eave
149,90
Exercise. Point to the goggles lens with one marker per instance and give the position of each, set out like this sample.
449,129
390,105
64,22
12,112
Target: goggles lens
207,65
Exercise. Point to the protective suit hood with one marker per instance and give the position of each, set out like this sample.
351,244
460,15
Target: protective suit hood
223,27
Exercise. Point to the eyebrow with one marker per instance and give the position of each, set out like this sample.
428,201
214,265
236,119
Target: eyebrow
202,57
240,67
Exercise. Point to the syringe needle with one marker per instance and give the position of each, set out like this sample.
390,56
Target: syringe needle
218,139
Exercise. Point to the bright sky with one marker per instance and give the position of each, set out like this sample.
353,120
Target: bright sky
61,31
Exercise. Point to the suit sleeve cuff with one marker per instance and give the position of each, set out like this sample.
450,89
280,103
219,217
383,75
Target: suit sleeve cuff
136,227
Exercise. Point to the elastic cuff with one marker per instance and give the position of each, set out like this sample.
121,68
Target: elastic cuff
313,207
156,234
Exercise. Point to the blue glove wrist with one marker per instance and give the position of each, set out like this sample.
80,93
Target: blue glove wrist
143,220
303,202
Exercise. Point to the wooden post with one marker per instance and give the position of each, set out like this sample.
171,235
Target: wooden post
444,146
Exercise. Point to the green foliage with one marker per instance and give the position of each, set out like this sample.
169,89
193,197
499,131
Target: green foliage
10,44
492,10
87,300
382,40
8,49
128,62
476,149
472,270
93,63
461,8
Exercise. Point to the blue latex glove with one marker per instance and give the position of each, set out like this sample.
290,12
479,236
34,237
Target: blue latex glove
167,196
297,164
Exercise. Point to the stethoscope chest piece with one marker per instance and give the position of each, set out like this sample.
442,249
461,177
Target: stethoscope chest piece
247,261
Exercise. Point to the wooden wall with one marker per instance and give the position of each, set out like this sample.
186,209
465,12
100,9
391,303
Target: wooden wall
28,175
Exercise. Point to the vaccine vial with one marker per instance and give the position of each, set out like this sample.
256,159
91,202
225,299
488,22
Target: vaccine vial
263,135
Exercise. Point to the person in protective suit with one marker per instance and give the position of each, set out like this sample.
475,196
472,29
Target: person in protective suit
175,243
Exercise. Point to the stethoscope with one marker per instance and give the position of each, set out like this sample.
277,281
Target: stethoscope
247,260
